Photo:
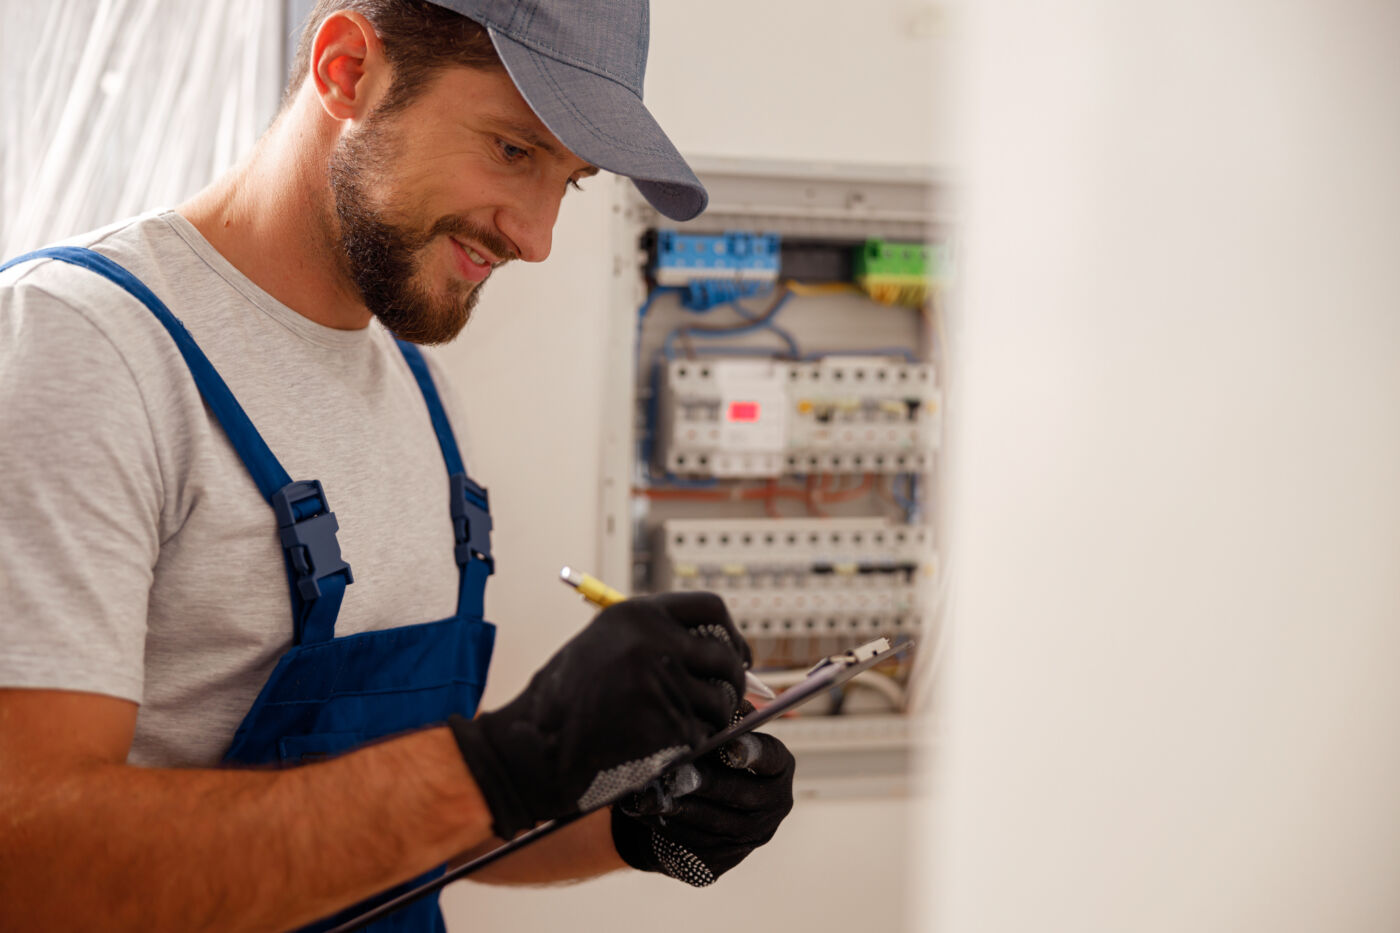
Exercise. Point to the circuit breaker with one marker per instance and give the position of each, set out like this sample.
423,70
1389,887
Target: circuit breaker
724,418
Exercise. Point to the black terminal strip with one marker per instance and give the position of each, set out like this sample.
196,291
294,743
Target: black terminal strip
823,568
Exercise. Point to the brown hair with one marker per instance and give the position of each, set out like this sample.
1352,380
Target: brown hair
419,38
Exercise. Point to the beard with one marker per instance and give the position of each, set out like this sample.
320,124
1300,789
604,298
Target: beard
386,259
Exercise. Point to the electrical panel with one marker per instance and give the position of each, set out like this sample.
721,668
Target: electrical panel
788,402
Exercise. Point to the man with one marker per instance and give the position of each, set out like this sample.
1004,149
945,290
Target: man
179,495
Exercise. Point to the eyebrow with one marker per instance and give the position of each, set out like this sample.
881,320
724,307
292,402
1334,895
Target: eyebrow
528,134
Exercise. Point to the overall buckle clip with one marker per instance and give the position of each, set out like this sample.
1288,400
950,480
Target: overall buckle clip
307,528
471,522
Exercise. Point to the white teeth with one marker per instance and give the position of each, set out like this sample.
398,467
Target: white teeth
476,257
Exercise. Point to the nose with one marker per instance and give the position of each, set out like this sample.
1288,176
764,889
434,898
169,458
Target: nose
529,224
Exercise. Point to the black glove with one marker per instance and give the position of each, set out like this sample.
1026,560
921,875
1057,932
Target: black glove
701,820
644,683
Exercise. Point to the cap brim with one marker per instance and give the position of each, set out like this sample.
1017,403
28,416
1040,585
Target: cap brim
604,123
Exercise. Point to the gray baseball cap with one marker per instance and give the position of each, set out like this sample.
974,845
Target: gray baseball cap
579,65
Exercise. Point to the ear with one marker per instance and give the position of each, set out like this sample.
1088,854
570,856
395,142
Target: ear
348,68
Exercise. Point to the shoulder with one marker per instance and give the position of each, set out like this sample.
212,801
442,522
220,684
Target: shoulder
43,293
123,241
49,299
78,351
61,318
150,246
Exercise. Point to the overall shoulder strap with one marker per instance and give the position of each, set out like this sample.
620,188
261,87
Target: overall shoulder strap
470,506
316,573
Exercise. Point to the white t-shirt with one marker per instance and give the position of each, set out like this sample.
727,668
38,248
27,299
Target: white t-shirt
137,557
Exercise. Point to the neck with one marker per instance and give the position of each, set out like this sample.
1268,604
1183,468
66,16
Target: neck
272,218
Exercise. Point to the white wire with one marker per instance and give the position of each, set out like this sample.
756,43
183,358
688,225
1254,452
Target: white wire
882,684
929,657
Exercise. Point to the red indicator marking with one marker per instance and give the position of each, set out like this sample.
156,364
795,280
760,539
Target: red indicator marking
743,411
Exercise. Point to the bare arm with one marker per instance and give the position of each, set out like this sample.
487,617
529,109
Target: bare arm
89,842
577,852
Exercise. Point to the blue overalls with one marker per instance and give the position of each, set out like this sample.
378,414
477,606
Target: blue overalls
328,695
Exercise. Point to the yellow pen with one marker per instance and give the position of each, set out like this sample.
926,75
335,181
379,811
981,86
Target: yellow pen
601,595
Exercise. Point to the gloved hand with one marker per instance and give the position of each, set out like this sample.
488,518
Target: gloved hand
644,683
701,820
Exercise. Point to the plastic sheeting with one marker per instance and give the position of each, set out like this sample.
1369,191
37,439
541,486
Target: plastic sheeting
113,107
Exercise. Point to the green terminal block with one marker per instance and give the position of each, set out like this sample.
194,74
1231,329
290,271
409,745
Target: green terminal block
885,260
895,273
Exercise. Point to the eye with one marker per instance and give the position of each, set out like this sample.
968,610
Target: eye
573,183
512,153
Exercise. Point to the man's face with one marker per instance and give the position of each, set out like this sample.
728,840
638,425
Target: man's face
432,197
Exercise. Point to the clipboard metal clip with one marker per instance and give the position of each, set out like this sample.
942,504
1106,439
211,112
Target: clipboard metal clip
853,656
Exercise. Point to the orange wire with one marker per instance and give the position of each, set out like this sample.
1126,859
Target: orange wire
720,495
813,488
779,493
770,499
815,493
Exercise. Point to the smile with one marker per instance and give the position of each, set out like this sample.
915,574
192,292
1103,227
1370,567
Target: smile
470,262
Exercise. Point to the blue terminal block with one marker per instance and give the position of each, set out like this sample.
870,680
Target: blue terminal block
682,258
755,255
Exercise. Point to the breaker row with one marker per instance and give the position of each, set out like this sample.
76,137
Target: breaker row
802,577
733,418
790,542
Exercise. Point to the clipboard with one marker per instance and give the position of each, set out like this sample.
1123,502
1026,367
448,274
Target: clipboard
828,673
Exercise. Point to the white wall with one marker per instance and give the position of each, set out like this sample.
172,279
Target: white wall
1176,508
792,79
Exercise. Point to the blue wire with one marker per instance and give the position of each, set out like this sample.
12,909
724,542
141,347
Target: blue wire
649,426
648,441
769,352
704,295
899,500
645,442
744,312
641,320
673,481
909,505
667,344
652,296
